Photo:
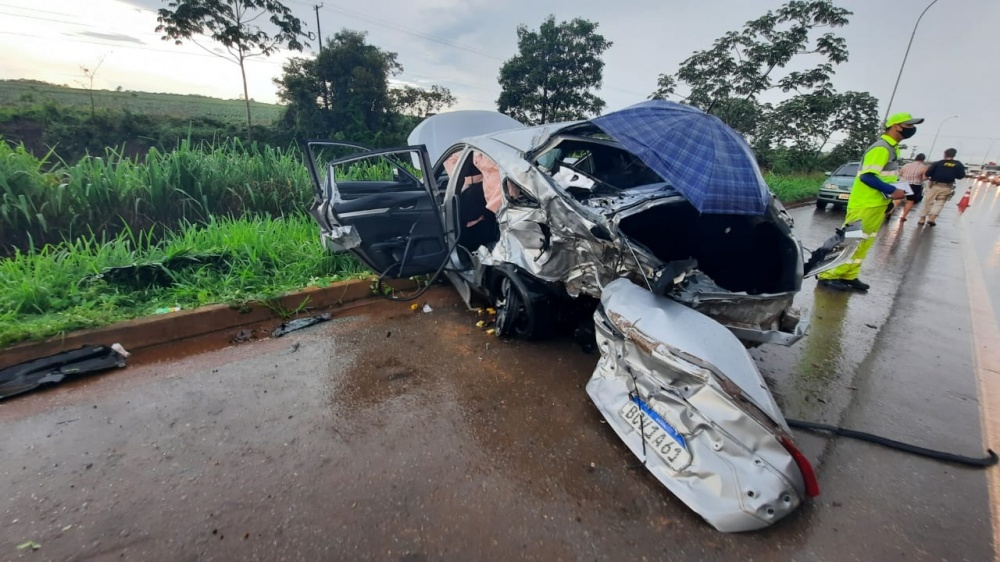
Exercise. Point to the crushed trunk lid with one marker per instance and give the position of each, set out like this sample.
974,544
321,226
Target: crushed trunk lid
713,433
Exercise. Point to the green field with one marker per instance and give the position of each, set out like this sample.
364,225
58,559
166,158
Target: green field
23,93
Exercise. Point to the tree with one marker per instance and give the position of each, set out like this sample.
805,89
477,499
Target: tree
344,93
741,65
89,74
418,102
551,77
802,127
232,23
729,79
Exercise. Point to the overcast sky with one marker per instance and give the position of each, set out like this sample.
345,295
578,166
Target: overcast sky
953,67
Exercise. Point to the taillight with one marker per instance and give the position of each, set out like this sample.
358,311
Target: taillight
808,474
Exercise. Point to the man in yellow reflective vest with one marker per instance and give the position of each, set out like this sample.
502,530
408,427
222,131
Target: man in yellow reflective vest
870,195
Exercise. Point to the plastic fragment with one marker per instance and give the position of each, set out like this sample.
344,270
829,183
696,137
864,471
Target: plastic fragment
491,331
414,306
30,544
120,350
480,324
298,324
167,309
427,308
491,311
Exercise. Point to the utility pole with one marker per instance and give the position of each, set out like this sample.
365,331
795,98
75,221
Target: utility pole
319,35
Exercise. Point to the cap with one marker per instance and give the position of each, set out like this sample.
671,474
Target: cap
902,119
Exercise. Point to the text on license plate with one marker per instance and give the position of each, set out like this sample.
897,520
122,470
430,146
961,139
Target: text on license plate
659,435
844,196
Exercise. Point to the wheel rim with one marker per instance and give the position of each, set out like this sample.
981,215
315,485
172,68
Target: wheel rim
512,312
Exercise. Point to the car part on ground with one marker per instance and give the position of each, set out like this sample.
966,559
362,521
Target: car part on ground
299,323
712,432
54,369
989,460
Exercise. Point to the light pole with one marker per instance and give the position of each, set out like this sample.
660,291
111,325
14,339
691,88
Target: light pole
986,157
893,96
930,153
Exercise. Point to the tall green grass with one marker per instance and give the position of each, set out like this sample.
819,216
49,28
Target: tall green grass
53,289
45,200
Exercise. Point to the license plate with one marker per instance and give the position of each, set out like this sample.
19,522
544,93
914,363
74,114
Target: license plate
660,436
844,196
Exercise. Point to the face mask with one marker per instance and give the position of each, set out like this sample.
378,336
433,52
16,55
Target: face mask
908,132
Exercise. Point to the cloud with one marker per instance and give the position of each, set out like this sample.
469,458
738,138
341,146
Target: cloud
113,37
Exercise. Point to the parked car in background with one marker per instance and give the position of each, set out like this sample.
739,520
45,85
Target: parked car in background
836,190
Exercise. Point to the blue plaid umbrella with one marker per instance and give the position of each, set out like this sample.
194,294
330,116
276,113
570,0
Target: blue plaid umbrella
702,157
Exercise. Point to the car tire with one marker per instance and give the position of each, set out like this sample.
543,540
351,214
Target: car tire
523,311
820,205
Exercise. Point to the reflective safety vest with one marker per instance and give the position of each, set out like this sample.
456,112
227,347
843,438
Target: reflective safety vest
882,158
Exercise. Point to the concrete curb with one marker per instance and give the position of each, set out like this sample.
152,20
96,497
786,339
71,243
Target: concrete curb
142,333
800,203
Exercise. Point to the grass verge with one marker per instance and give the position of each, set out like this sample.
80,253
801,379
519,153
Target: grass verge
791,189
57,288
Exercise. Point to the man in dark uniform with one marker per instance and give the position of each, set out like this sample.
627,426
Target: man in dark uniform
942,175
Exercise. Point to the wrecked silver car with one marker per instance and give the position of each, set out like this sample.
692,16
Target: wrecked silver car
649,228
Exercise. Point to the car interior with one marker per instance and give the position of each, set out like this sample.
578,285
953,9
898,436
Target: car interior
741,253
477,220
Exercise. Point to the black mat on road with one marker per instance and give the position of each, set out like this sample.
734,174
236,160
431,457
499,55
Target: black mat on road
27,376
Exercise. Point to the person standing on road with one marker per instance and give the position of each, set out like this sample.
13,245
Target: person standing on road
869,198
943,174
913,174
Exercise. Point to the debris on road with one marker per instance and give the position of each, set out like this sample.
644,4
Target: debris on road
299,324
242,336
427,308
120,350
45,371
30,544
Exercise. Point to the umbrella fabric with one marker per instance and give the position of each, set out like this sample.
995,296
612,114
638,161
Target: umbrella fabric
699,155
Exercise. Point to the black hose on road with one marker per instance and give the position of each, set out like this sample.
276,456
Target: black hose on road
983,462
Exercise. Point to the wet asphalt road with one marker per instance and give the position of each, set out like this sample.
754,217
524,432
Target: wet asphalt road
389,434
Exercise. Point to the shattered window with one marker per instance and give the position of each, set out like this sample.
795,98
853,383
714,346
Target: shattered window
584,165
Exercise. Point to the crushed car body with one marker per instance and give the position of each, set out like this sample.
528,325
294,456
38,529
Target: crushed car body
658,204
685,396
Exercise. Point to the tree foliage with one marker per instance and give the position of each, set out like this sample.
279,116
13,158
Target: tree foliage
234,25
417,102
553,75
742,64
789,51
802,127
344,93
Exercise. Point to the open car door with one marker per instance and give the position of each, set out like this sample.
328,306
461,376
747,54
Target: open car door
379,204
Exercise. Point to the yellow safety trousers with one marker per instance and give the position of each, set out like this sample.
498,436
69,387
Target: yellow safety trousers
871,220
